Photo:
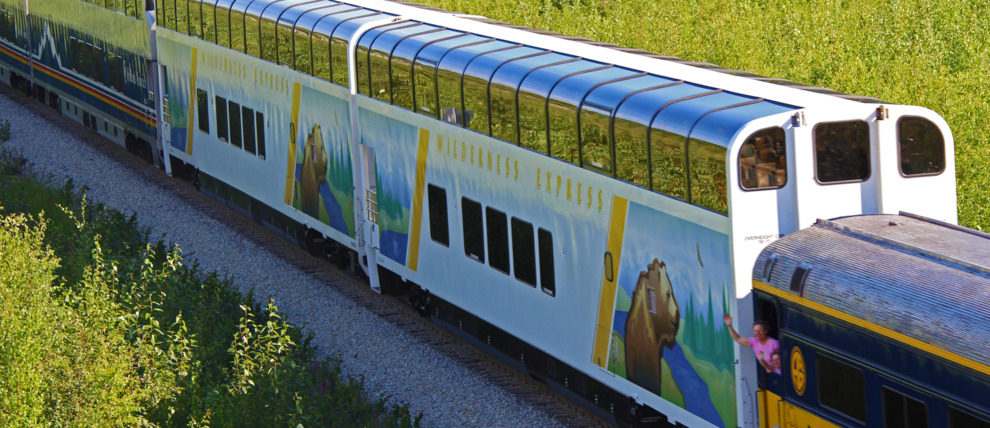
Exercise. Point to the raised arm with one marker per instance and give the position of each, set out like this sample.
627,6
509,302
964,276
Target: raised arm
735,336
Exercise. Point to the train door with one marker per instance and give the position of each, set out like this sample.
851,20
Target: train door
835,154
369,220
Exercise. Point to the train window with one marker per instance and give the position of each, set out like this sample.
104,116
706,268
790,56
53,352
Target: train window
253,32
234,115
438,215
842,151
562,124
181,16
502,101
209,21
707,175
222,16
283,45
259,126
195,18
900,411
203,110
921,146
476,101
236,28
221,108
7,28
424,71
449,90
402,82
496,224
667,163
341,33
547,278
841,387
302,59
768,266
167,13
596,141
247,119
523,251
115,72
268,39
474,231
763,160
321,55
960,419
533,121
631,152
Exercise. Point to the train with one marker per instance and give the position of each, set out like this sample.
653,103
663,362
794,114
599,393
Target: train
588,213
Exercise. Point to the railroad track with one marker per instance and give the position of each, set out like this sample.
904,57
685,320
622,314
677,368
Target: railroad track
389,309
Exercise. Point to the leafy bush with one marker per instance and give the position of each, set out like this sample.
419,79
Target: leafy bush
98,328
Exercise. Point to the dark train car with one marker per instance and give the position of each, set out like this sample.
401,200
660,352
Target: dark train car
883,321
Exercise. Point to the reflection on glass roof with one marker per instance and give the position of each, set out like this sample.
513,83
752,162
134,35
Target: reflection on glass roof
719,127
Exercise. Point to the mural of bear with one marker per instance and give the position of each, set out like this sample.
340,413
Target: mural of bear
314,172
654,319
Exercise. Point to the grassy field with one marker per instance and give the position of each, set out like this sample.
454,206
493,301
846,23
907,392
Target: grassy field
931,53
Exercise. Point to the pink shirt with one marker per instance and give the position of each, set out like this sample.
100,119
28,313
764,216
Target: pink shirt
767,348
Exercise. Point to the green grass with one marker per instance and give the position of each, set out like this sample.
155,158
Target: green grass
932,53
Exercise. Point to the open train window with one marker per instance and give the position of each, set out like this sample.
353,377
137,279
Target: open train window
497,227
960,419
438,215
841,387
763,160
921,147
523,251
842,152
474,230
901,411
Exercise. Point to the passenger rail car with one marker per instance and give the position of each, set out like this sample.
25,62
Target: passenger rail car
584,209
882,322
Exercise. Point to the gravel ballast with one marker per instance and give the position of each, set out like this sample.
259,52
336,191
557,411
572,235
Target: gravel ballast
391,361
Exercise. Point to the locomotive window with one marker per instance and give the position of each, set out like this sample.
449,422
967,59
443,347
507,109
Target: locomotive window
221,108
496,224
960,419
438,214
523,251
596,141
234,110
563,123
921,146
667,163
547,278
259,126
474,231
763,160
426,96
707,183
247,119
900,411
631,152
842,152
503,107
203,110
841,387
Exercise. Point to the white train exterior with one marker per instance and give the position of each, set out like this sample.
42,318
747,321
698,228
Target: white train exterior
608,236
